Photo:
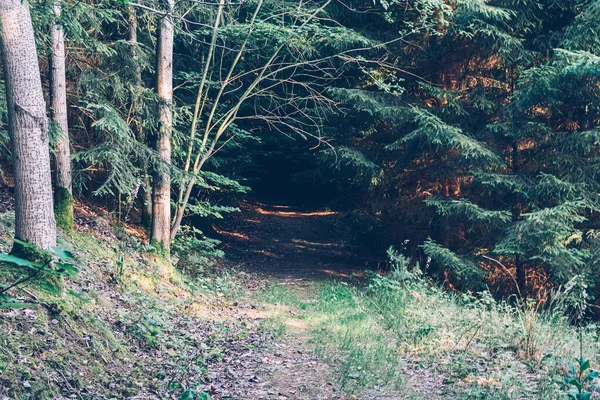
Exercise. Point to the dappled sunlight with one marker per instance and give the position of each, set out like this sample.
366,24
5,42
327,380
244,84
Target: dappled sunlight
484,381
263,211
236,235
316,244
277,206
265,253
338,274
296,323
144,282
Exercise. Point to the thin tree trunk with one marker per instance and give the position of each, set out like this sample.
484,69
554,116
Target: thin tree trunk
520,268
521,277
446,219
146,189
184,194
161,193
28,127
206,149
63,193
137,126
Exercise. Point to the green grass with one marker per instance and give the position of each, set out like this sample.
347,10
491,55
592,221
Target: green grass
343,329
479,347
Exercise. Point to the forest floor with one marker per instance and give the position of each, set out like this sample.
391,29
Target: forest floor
296,249
295,254
290,313
337,339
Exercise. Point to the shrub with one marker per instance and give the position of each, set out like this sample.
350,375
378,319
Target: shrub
194,252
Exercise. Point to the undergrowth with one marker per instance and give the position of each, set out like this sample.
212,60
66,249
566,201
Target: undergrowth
401,331
128,324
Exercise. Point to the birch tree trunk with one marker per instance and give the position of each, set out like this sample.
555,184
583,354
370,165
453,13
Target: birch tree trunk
63,192
28,127
161,191
137,128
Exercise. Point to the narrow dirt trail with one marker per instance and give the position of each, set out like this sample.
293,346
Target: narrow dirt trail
282,242
296,248
291,247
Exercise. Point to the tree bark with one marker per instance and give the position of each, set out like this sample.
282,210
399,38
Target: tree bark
161,191
28,127
446,219
63,193
520,268
137,126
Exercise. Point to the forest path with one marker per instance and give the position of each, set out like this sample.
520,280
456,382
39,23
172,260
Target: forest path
295,249
285,242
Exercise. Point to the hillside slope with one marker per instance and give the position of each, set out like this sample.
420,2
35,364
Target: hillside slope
289,314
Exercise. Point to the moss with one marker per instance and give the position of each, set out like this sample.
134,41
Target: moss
30,253
93,245
160,249
63,209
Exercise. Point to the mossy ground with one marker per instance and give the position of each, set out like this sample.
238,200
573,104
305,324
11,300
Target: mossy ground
63,209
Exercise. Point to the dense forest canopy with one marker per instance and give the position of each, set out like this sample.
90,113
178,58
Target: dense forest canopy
467,128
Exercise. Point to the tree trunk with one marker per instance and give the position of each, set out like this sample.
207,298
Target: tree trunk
137,125
521,277
63,193
520,268
146,189
446,219
28,127
161,193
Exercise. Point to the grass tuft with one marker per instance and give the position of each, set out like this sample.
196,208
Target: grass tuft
412,337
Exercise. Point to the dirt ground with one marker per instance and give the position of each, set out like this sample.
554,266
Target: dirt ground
275,245
294,247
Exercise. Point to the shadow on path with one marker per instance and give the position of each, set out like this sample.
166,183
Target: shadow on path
287,242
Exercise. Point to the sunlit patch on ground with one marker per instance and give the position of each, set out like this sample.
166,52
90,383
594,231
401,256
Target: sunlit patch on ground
335,273
316,244
263,211
279,206
266,253
231,234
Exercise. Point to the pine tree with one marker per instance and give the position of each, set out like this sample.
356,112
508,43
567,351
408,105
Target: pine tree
161,190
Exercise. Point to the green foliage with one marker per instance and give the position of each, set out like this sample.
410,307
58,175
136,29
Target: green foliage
29,264
491,135
579,377
191,394
433,134
118,151
401,269
465,270
549,235
194,252
466,210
